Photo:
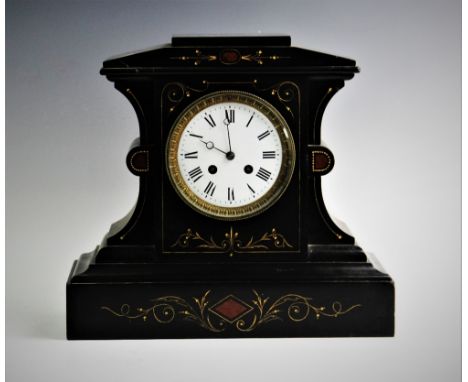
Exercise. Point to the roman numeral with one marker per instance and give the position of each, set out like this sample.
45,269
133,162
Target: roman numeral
263,135
192,155
263,174
231,194
250,188
196,136
229,115
269,154
195,174
250,120
210,120
210,188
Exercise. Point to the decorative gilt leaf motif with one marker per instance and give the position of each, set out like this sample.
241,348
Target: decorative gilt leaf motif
231,242
292,307
198,57
259,57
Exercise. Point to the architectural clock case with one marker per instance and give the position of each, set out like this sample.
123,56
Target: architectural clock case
229,236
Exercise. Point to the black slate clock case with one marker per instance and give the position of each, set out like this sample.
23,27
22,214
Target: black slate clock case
167,271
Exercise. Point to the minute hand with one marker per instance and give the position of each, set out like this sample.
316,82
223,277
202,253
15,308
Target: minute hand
227,122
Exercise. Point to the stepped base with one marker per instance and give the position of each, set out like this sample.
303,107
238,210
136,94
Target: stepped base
226,300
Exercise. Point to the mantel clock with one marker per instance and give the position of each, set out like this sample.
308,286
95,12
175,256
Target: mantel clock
229,236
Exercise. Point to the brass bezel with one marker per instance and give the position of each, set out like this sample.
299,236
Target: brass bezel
239,212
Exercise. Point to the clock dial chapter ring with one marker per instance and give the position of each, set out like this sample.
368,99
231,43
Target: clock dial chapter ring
230,155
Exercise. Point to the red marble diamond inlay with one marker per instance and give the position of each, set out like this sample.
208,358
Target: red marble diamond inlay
231,308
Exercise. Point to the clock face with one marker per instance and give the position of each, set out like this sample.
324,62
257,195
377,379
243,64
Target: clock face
230,155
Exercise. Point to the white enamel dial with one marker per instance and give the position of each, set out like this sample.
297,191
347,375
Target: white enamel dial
230,155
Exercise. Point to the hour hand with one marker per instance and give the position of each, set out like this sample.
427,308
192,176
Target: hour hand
210,145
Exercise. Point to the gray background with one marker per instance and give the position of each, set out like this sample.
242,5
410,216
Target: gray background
395,130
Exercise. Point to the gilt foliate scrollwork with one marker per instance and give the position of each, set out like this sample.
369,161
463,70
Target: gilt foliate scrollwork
295,307
197,57
242,316
258,57
176,92
232,241
165,309
287,93
185,239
